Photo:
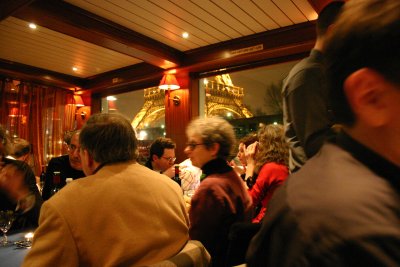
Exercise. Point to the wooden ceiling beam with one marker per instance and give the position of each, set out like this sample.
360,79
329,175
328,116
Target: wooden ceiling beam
76,22
282,42
8,8
38,75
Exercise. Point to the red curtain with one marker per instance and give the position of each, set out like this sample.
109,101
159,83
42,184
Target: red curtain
40,114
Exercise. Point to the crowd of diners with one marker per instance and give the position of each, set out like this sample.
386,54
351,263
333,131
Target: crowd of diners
323,188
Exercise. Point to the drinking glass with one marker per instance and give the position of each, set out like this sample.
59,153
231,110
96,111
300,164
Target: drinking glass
7,217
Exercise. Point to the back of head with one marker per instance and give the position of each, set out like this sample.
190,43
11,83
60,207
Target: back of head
328,16
109,138
272,146
214,130
367,35
21,147
158,146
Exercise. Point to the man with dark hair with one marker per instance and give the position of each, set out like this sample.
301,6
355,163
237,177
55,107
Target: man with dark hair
121,214
306,114
342,207
162,156
69,165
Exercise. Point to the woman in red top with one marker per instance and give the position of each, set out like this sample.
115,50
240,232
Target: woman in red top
267,166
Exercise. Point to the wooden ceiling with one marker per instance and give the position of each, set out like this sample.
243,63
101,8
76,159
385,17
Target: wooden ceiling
110,40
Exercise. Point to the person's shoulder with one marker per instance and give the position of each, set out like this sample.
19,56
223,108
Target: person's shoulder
274,166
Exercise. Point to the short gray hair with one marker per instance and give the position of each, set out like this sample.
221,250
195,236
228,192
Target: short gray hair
109,138
214,130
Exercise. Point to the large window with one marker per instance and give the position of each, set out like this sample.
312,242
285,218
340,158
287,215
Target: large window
245,98
146,111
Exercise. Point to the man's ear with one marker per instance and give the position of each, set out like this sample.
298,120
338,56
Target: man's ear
89,160
365,93
154,157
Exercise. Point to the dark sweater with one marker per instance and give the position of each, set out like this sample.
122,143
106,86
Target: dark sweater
62,165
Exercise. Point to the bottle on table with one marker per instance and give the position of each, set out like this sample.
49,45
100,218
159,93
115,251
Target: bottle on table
56,183
42,178
176,177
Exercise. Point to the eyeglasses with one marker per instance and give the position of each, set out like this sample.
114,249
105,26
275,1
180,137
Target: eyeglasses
170,159
193,145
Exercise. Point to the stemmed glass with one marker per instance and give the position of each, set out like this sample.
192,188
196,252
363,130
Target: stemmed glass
7,217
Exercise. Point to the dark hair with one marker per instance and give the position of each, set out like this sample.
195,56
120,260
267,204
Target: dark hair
249,139
367,35
328,16
158,146
109,138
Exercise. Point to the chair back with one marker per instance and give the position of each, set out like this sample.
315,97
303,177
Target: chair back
193,254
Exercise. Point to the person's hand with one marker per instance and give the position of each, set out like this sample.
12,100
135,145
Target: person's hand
237,166
12,182
170,172
251,152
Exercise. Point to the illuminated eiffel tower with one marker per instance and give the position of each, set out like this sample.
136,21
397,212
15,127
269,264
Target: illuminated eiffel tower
221,97
153,108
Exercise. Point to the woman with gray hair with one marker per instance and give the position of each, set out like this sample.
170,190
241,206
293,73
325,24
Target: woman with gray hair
221,198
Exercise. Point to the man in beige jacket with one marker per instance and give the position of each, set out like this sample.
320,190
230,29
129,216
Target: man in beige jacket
122,214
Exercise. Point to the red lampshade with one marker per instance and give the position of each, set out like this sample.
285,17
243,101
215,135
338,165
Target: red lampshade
169,82
78,101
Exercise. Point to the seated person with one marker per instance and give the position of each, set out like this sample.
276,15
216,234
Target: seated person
267,166
128,215
239,163
162,156
190,176
18,189
22,150
222,198
69,166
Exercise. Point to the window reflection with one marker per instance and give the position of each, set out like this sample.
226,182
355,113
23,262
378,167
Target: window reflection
245,98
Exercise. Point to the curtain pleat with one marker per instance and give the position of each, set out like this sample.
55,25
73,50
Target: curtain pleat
40,114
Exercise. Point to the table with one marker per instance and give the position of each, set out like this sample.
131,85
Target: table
11,256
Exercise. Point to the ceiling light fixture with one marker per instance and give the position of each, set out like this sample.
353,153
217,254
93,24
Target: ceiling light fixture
32,26
185,35
74,68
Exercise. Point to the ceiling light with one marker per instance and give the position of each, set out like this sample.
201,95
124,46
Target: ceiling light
185,35
74,68
32,26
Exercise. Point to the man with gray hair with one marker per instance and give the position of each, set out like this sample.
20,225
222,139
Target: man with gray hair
121,214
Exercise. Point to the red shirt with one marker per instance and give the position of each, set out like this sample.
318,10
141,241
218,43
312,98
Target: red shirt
271,176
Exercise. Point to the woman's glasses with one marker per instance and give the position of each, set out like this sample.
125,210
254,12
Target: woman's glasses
192,145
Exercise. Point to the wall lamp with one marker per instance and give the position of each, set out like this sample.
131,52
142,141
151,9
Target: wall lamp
78,101
169,82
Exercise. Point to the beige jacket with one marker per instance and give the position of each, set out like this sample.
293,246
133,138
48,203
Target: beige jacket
124,215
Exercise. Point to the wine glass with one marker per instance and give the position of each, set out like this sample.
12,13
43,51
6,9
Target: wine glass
7,217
